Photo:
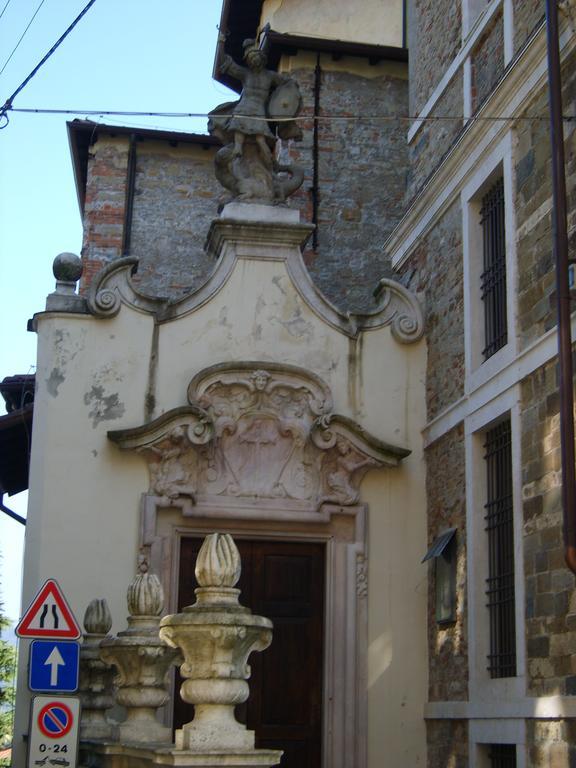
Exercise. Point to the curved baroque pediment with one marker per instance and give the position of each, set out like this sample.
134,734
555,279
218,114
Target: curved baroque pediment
258,431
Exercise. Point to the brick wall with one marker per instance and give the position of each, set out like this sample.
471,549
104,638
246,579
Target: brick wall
528,14
446,494
536,281
550,593
488,62
104,206
438,280
447,743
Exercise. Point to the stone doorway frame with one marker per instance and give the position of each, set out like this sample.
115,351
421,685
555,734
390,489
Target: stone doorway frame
343,530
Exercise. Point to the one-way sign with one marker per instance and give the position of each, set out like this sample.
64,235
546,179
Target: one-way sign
54,666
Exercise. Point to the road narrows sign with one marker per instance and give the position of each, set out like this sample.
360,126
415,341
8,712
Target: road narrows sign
49,616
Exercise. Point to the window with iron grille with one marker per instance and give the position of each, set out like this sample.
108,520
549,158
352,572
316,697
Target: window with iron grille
493,277
500,532
502,755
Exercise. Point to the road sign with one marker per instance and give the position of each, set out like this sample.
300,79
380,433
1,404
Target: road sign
54,666
49,616
53,739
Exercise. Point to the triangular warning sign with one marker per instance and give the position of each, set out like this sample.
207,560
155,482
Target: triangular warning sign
49,616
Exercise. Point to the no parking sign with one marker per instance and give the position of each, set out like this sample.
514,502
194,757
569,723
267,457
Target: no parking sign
53,739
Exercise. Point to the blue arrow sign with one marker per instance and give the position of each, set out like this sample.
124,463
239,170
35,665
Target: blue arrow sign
54,666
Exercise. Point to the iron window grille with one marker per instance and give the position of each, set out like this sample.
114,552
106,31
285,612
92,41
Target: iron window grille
502,755
500,531
493,277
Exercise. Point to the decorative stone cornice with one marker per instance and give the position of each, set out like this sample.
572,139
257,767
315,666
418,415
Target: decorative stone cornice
265,233
258,430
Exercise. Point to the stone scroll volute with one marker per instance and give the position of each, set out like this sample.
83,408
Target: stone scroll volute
258,431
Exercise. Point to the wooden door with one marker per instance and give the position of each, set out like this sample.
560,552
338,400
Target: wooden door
283,581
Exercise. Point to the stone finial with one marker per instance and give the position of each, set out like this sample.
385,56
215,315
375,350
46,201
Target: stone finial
145,595
67,269
97,619
218,563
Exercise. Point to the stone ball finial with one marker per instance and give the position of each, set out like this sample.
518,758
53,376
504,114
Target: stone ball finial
218,563
67,268
145,595
97,619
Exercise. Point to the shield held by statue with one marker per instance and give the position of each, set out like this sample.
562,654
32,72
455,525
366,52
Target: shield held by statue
286,102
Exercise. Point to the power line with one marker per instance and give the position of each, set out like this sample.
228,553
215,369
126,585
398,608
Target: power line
299,118
8,103
3,9
22,35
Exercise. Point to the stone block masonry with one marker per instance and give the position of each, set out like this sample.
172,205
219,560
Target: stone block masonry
528,14
446,494
447,743
550,593
536,281
488,62
434,272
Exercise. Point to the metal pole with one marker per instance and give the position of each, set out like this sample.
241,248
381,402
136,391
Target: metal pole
560,236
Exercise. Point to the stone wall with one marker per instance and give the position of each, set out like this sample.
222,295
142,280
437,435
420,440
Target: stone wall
536,280
361,173
550,594
176,198
447,743
488,62
434,272
435,32
436,137
551,743
528,14
446,494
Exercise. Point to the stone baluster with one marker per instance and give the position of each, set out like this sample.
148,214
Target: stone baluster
95,684
216,636
142,662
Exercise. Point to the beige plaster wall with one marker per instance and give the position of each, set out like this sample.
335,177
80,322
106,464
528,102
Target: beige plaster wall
377,23
94,374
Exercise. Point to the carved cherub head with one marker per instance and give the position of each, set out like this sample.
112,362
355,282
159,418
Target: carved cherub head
260,379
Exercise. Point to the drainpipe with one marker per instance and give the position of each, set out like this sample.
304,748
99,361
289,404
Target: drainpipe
129,197
560,236
315,150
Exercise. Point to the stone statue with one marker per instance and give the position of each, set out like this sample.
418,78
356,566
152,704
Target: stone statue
246,164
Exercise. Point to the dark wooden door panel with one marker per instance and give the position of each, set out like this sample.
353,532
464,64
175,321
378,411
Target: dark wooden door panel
285,582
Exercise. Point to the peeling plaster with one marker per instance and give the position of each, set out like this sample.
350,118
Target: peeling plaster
104,407
54,380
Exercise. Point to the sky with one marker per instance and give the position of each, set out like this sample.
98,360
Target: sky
123,55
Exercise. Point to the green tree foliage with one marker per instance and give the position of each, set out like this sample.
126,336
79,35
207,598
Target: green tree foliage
7,691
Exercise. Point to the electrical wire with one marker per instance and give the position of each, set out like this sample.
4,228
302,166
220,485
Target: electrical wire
22,35
3,9
299,118
8,103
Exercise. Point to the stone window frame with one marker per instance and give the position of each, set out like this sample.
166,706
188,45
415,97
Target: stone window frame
499,162
484,733
484,690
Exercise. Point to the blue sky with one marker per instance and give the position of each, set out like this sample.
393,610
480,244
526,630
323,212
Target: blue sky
127,55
